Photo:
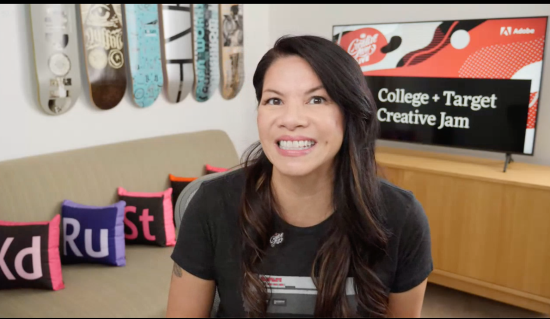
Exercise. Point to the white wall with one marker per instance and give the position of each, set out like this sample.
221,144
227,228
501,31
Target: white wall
26,130
318,20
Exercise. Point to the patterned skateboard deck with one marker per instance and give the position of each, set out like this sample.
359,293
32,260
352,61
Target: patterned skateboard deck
206,50
104,53
56,56
231,49
177,41
143,34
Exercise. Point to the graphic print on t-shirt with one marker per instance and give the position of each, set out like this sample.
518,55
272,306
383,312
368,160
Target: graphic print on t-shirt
297,295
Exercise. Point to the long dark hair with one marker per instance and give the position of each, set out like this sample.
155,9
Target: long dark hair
357,238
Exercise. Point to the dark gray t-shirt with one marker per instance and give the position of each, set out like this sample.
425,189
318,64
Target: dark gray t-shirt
207,247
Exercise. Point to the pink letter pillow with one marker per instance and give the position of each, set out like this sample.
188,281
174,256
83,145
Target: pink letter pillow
212,169
29,255
149,218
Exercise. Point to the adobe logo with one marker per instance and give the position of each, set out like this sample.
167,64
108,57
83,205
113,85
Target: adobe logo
33,252
145,220
505,31
71,238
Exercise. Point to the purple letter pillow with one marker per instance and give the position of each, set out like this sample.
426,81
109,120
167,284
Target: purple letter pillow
93,234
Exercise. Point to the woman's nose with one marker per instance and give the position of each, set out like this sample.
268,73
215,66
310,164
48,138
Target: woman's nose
293,116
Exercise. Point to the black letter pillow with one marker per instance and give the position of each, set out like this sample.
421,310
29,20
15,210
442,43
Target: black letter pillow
29,255
149,218
178,185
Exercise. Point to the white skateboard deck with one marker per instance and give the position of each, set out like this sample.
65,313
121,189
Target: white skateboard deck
177,44
56,56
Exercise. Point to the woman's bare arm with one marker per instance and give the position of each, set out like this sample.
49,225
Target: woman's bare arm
407,304
189,296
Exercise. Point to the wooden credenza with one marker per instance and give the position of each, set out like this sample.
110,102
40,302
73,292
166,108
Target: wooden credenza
490,230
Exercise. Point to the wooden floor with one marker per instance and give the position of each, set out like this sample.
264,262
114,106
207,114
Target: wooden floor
441,302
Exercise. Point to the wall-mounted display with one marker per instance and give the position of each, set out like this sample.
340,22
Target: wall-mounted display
177,25
206,50
104,53
231,49
462,83
56,56
142,30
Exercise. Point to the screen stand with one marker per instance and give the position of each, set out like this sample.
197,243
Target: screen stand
508,160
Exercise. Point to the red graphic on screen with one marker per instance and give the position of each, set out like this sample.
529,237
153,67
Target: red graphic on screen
364,45
502,61
439,41
498,56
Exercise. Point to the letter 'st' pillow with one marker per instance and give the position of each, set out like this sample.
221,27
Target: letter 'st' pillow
93,234
29,255
149,218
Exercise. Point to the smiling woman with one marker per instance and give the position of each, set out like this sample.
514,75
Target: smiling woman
306,224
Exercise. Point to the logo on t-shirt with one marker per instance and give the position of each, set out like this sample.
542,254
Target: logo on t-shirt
276,239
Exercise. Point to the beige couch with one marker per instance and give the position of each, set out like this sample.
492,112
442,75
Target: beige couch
32,189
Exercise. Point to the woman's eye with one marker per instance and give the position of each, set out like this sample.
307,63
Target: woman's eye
273,101
317,100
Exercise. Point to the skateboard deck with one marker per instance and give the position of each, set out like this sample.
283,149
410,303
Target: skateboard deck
142,30
104,53
56,56
177,44
231,49
206,50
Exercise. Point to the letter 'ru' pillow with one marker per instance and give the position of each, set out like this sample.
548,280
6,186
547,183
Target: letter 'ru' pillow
29,255
93,234
149,218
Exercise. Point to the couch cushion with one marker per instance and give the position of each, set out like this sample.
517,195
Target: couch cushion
138,290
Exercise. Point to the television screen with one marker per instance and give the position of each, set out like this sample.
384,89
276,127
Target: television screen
463,83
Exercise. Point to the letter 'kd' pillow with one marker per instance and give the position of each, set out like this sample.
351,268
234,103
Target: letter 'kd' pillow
29,255
149,218
93,234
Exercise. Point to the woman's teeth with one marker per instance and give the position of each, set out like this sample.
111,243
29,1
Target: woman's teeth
296,145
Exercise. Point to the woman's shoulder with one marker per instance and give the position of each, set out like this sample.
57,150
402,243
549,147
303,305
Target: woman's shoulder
223,191
232,180
401,207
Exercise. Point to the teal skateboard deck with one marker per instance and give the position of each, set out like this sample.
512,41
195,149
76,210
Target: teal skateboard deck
177,47
142,30
206,50
231,49
104,53
56,56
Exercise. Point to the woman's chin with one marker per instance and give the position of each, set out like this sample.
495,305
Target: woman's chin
294,169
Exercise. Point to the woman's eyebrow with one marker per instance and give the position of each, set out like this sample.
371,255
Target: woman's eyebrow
274,91
315,89
307,92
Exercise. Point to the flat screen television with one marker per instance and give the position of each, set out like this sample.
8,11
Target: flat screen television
463,83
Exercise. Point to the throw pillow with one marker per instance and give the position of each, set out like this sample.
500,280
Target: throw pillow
29,255
93,234
212,169
149,218
178,184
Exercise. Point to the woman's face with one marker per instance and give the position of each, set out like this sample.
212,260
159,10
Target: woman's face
301,129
